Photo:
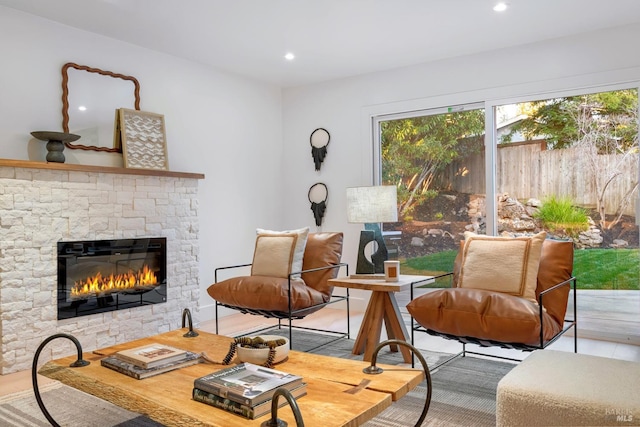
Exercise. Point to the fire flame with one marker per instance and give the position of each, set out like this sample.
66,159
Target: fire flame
96,285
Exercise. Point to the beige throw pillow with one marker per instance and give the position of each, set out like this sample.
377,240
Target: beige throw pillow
273,255
280,260
502,264
301,244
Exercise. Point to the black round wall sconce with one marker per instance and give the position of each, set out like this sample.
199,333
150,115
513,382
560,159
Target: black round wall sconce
318,194
319,140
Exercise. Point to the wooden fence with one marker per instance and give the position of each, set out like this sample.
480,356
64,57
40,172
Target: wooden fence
528,170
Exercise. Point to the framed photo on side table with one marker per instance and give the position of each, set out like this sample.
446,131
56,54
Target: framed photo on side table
143,137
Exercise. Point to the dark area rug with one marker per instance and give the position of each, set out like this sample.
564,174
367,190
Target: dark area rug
69,408
327,345
464,394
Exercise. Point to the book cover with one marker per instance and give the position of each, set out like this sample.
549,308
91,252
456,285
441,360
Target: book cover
139,373
246,383
244,410
150,355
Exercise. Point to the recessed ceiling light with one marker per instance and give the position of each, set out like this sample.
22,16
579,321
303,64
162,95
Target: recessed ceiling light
82,108
500,7
289,56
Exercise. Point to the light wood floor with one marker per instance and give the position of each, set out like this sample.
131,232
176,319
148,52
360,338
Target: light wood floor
335,319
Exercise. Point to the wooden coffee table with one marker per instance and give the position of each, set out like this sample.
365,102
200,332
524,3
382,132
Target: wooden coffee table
166,398
382,306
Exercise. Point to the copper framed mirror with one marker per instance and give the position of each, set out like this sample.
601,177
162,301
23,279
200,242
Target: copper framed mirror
90,98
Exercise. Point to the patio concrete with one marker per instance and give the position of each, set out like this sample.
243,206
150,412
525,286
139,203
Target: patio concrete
609,315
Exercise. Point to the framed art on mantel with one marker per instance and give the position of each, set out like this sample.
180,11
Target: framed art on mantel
143,138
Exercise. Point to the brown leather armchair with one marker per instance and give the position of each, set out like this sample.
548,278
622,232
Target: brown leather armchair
294,297
490,318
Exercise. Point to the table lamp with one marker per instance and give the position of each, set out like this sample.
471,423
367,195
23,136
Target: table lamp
371,206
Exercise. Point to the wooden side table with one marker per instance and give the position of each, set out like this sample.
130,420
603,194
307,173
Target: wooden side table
382,307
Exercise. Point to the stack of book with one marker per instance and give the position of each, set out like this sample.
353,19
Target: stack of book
246,389
148,360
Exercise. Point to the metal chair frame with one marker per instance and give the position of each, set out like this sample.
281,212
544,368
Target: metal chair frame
291,314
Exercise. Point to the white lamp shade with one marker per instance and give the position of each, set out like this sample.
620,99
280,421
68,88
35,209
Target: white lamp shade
372,204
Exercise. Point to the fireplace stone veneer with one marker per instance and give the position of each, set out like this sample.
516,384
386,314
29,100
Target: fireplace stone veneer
40,207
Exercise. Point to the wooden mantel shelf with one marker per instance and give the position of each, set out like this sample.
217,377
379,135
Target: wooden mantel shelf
96,169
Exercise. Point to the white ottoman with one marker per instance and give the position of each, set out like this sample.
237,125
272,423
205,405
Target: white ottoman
556,388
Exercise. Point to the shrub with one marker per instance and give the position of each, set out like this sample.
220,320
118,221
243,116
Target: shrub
560,214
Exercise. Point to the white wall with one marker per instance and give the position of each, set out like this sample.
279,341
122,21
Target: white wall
344,107
225,126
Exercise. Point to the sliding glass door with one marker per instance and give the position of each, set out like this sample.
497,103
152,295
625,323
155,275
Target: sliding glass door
566,164
569,165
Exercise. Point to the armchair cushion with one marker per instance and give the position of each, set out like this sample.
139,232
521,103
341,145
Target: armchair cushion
501,264
323,250
484,315
264,293
556,266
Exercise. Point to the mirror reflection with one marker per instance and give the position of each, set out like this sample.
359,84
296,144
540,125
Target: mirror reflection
90,101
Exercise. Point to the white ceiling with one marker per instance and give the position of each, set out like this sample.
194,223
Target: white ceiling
331,38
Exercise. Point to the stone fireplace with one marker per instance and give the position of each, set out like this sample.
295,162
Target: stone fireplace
44,205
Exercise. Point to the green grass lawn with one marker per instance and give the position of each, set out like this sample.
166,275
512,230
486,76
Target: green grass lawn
431,265
593,268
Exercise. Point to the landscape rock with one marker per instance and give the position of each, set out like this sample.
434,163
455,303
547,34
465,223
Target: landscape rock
417,241
619,243
591,238
535,203
513,215
531,210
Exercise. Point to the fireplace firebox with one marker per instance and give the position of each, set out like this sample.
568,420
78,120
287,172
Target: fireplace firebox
104,275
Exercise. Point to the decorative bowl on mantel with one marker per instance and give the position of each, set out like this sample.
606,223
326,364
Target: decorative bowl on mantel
258,356
55,144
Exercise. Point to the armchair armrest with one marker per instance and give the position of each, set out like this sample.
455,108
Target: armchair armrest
311,270
554,287
443,275
342,264
215,272
434,278
568,282
326,267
